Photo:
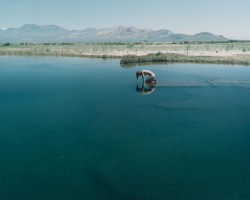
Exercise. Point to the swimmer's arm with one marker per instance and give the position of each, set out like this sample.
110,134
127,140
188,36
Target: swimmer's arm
143,76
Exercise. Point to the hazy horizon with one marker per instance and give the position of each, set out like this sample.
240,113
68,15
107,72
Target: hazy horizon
217,17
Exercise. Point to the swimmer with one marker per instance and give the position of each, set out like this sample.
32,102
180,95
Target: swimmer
151,77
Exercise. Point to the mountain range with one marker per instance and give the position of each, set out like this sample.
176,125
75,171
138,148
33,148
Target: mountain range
53,33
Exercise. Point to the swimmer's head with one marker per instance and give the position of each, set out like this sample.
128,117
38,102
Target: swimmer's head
138,74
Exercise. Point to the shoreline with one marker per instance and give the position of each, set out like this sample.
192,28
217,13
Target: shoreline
60,55
232,57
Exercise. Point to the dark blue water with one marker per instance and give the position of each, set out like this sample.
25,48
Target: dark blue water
75,128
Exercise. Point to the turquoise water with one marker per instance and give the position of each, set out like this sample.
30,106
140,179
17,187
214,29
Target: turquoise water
75,128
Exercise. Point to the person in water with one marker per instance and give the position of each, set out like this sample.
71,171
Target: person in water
143,72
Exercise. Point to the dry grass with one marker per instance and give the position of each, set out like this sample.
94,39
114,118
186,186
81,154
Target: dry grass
169,52
84,48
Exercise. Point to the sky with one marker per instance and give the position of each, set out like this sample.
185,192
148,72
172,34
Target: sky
230,18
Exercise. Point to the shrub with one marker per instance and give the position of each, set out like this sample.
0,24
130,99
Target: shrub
7,44
244,49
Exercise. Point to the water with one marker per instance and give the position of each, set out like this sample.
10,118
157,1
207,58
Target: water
75,128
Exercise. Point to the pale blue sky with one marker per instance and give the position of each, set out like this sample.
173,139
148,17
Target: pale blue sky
230,18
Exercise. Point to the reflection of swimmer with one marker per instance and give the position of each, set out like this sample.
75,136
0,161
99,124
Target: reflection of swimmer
144,90
146,72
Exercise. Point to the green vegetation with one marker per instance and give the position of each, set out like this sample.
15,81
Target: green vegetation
6,44
105,56
239,59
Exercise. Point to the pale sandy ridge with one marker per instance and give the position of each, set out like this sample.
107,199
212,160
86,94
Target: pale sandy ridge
116,51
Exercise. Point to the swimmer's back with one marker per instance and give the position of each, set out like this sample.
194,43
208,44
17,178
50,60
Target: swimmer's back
147,72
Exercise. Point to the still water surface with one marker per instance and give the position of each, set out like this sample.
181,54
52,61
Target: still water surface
75,128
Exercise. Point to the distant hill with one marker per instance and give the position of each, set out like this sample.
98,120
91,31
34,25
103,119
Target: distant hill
53,33
204,36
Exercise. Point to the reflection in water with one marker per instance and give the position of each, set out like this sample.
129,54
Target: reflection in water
128,65
146,90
